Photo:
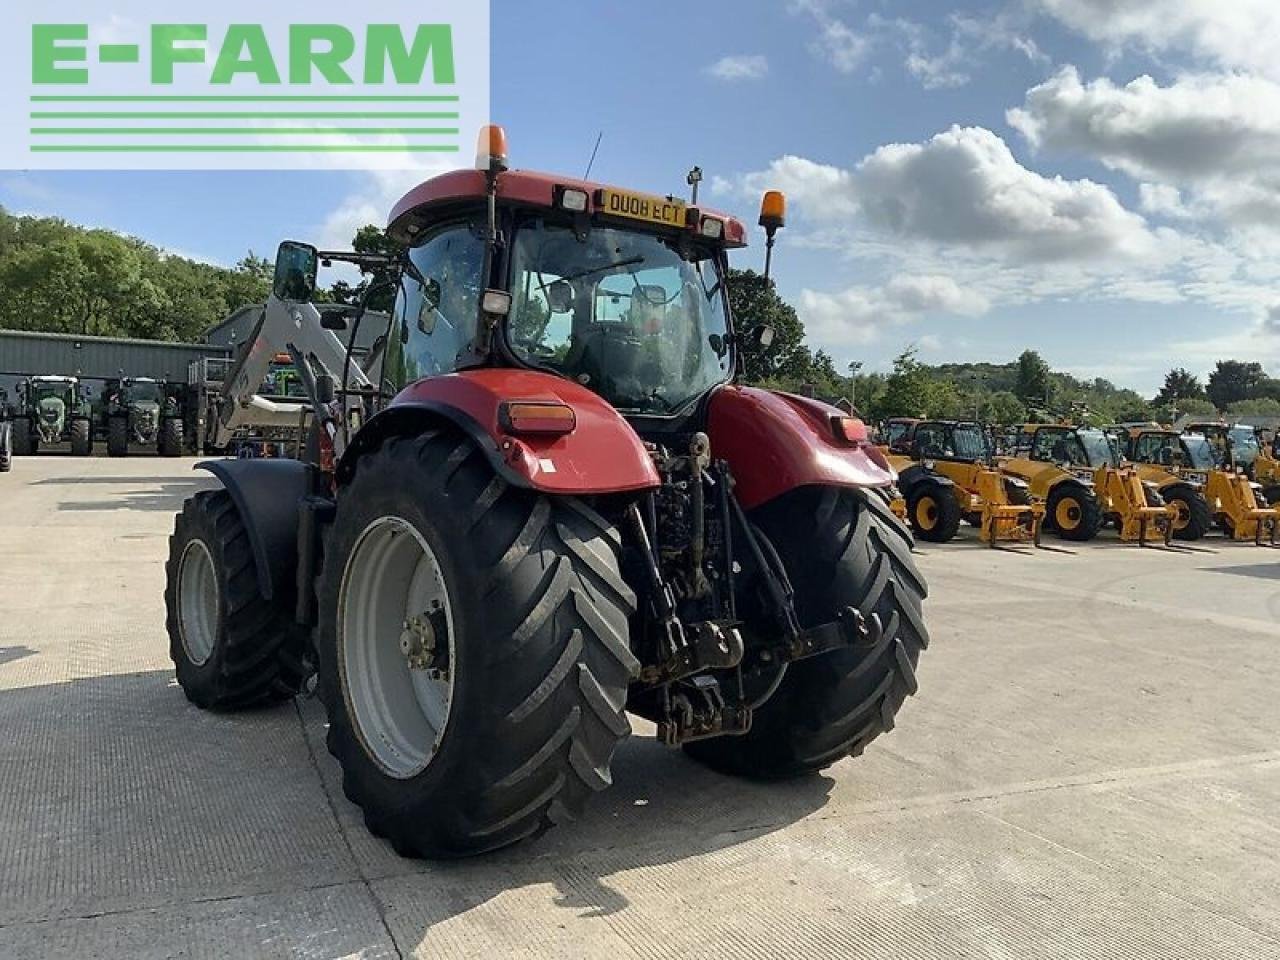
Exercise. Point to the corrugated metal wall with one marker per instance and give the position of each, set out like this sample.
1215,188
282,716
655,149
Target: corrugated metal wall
94,359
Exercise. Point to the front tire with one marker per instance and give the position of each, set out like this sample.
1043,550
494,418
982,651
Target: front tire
118,437
25,443
840,548
529,689
171,436
1073,512
934,512
1193,520
81,438
230,646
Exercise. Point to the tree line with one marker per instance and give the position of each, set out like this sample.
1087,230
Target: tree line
59,277
56,277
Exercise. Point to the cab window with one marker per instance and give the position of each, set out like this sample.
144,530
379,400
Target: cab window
436,310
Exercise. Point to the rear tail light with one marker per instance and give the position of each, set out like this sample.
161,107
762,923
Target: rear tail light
849,429
530,416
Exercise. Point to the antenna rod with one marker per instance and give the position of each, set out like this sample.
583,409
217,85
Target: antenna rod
594,150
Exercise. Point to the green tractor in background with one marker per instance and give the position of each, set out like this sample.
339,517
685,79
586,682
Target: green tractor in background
142,411
52,410
6,433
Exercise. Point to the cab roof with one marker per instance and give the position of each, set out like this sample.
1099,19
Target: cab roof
525,187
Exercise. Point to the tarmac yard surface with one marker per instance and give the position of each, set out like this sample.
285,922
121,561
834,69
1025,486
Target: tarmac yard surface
1090,769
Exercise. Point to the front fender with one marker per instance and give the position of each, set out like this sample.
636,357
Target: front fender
267,494
775,442
916,475
602,454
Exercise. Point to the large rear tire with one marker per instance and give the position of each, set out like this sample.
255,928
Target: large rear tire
231,647
840,548
6,447
118,437
934,512
459,747
1073,512
171,437
1194,519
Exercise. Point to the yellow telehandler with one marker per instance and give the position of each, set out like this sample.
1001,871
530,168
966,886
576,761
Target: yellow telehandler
1202,488
945,475
1080,473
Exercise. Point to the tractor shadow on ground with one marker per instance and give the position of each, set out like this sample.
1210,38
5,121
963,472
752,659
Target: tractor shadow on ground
1262,571
10,654
166,494
662,809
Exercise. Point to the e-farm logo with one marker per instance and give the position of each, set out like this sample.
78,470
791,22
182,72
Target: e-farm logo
131,91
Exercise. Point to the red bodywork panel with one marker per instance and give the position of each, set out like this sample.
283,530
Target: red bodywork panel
515,186
602,454
775,442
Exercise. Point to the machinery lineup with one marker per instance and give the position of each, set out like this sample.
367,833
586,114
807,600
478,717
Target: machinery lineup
132,416
546,501
1151,483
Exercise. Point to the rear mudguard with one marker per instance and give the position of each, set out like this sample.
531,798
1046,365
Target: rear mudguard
602,454
268,494
775,442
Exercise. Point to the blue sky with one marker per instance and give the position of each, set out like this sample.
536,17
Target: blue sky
1120,226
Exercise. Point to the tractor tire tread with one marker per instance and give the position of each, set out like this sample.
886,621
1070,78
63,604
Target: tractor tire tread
546,699
258,654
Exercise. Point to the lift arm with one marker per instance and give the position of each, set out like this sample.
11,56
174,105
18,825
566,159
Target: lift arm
285,327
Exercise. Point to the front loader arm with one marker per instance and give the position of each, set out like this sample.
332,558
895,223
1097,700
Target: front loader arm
286,326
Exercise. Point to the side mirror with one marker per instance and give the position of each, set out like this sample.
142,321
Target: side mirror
295,276
761,336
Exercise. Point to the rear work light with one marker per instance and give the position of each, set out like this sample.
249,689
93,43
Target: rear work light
849,429
575,201
537,416
712,228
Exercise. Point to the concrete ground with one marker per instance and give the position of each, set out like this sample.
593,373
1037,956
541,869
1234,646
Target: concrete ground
1090,770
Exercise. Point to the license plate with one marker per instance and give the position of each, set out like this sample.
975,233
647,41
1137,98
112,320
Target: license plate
639,206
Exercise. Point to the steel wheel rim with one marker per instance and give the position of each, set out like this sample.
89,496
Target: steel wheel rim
1068,514
198,602
927,513
1182,514
399,714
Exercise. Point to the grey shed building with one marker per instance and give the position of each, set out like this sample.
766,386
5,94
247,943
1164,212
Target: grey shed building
95,359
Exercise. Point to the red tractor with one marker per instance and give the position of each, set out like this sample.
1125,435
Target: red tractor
550,506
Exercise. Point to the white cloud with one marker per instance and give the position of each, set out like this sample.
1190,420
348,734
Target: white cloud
964,188
739,67
1217,136
860,314
837,43
1233,34
1198,126
842,47
969,40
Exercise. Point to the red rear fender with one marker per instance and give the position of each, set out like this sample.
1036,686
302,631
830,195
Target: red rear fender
601,455
775,442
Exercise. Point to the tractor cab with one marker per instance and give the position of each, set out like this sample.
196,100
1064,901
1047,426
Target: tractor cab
1231,446
1188,455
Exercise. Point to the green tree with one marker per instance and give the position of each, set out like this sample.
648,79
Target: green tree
755,302
1033,378
1004,407
1256,407
909,391
1179,384
374,240
1233,381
